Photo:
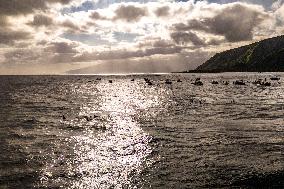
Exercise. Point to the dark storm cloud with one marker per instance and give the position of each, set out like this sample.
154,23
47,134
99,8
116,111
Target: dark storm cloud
156,43
61,48
198,25
62,52
16,7
186,37
126,54
130,13
162,43
162,51
3,21
8,36
96,16
21,56
162,11
41,20
47,52
235,23
72,27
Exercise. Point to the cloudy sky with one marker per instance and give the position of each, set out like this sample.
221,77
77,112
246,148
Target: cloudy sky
122,36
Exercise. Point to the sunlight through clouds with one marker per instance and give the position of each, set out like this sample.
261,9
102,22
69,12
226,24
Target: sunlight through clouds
129,30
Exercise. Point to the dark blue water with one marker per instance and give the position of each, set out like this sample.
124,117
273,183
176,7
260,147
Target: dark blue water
128,134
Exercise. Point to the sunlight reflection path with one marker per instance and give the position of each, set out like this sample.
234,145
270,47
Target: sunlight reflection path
114,157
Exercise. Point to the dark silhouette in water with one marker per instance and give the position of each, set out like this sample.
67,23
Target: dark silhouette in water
215,82
275,78
267,84
63,118
110,81
197,82
260,82
87,118
226,82
257,82
239,82
96,116
168,81
205,138
148,81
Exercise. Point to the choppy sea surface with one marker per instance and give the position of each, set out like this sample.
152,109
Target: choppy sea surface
78,132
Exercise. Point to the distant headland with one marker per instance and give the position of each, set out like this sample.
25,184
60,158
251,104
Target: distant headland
263,56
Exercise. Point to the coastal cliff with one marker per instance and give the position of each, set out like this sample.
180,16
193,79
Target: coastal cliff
263,56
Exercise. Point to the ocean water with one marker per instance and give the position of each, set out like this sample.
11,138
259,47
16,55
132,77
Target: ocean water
128,134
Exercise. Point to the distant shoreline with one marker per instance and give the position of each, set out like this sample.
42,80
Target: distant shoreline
198,71
141,74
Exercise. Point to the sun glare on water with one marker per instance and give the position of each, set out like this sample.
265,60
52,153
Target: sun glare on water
110,150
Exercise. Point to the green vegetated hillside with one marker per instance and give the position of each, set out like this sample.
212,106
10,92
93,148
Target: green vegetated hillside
262,56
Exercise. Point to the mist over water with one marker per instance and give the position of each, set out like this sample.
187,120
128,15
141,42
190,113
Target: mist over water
128,134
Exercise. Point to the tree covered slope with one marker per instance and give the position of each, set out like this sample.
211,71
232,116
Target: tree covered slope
262,56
